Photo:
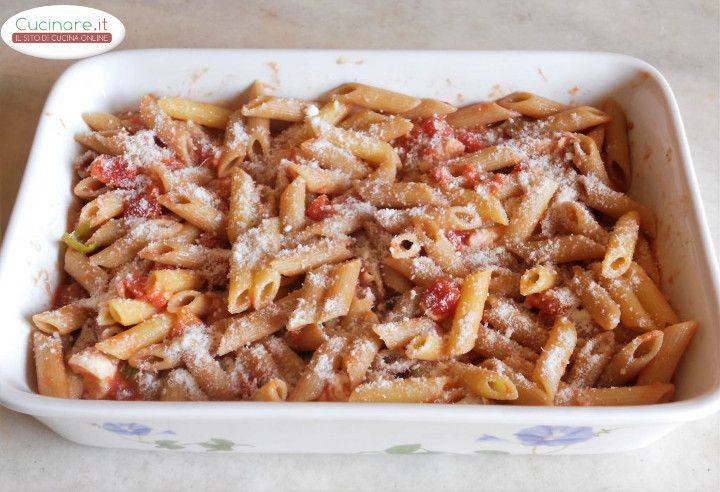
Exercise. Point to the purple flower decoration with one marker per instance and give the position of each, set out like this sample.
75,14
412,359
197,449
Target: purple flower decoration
488,437
554,435
127,429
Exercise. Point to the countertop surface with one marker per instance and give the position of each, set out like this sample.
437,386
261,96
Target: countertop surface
679,38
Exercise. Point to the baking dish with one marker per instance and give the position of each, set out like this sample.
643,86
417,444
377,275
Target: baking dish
663,178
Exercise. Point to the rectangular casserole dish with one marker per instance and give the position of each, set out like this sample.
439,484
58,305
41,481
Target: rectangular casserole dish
663,178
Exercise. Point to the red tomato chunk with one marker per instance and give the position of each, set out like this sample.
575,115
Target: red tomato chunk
441,298
319,208
113,171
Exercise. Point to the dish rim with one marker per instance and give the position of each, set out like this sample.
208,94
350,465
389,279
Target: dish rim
674,412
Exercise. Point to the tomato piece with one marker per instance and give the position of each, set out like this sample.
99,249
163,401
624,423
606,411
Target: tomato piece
440,299
472,141
136,286
145,204
436,125
319,208
113,171
459,239
548,306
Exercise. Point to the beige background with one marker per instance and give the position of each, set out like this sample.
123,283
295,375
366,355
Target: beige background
679,38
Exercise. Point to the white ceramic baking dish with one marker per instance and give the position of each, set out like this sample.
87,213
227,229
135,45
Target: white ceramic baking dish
663,178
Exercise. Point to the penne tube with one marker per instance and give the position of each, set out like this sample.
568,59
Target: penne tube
429,108
336,158
89,188
311,255
319,370
559,249
627,363
484,382
425,346
577,219
92,278
396,334
621,245
129,312
530,210
624,396
529,393
199,112
576,119
532,105
102,122
158,356
103,208
307,338
374,98
127,342
311,294
645,257
587,159
99,372
650,296
520,324
246,328
276,108
537,279
661,368
590,361
598,302
617,147
273,390
632,314
292,205
468,314
553,360
493,344
614,204
405,245
479,114
488,159
173,280
410,390
265,286
172,133
192,300
62,320
52,379
203,215
288,363
398,195
319,180
340,291
234,145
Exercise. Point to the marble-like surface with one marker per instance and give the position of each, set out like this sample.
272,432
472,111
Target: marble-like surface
679,38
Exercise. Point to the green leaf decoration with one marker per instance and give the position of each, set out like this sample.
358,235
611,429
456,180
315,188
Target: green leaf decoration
490,451
404,449
216,444
168,444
